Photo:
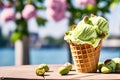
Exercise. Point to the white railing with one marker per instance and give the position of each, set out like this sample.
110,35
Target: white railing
111,43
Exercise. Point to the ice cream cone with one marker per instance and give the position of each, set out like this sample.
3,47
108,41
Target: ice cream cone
85,57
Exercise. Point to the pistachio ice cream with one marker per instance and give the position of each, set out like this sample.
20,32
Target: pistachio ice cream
89,30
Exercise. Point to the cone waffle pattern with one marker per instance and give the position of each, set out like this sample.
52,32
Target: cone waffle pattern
85,57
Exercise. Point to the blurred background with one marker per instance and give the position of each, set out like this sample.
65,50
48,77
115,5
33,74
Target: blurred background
32,31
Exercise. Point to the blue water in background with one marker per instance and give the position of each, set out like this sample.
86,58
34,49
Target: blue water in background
50,55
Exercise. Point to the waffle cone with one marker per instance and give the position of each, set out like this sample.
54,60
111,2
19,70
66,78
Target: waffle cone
85,57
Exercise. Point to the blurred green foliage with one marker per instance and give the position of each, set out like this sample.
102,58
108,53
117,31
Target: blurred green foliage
76,13
22,27
101,8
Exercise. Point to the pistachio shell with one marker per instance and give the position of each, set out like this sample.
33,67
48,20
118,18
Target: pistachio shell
63,70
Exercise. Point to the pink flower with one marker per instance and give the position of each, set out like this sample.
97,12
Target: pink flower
28,12
86,2
56,9
7,14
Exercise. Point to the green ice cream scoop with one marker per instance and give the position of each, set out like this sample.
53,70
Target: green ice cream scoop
101,25
85,33
89,30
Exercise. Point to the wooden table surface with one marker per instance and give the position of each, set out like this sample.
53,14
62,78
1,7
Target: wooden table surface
27,72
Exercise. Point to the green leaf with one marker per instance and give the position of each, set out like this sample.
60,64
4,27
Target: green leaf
40,21
41,1
16,36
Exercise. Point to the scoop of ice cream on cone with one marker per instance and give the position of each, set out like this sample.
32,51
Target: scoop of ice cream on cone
89,30
85,41
101,26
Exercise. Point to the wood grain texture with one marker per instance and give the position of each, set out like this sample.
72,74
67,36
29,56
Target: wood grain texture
27,72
